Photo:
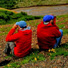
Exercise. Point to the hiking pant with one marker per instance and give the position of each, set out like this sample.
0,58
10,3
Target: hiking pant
9,48
58,40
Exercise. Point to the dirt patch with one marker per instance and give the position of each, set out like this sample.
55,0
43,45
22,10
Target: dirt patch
43,10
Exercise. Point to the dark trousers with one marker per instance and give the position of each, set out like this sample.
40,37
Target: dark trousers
9,48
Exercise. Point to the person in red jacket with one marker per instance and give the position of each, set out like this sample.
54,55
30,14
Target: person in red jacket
19,44
48,34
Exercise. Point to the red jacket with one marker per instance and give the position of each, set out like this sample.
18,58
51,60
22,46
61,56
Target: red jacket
47,34
22,40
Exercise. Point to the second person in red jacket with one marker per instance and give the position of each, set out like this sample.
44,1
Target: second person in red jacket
48,34
19,43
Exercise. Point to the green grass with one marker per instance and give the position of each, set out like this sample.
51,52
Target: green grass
33,57
62,50
61,23
4,30
65,31
61,26
27,3
62,18
13,65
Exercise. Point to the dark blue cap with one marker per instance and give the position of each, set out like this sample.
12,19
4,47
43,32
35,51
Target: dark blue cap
47,18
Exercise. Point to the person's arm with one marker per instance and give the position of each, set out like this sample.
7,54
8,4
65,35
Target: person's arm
54,23
54,20
11,36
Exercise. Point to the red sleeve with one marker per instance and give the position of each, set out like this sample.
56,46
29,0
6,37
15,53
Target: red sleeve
54,23
11,36
57,33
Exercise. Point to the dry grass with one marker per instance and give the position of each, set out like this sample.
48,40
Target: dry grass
26,3
7,10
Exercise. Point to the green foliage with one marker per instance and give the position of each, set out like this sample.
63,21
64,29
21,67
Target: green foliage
9,4
62,16
10,17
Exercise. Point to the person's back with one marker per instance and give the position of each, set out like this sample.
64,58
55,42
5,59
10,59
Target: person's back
23,44
47,34
19,43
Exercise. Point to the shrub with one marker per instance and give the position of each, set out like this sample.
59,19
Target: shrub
9,4
10,17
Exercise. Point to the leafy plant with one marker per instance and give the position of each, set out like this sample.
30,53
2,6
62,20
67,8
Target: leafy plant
9,4
7,17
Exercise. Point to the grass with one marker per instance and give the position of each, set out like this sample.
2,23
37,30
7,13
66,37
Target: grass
4,30
62,50
62,18
65,31
33,57
61,26
13,65
27,3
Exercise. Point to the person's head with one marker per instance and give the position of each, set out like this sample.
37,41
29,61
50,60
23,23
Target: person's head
47,19
21,24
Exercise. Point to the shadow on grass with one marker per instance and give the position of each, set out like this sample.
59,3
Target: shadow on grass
5,62
65,45
60,50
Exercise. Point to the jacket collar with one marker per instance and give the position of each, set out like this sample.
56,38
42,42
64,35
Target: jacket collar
28,28
49,24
